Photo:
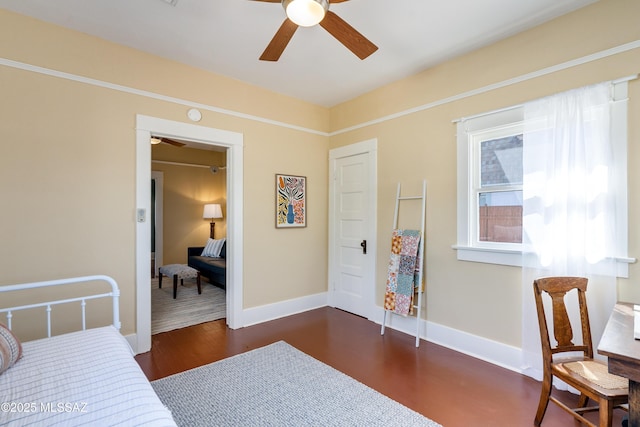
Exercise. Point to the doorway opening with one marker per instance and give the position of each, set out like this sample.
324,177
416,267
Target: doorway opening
232,142
186,179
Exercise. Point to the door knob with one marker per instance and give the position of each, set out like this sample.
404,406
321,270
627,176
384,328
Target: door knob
363,244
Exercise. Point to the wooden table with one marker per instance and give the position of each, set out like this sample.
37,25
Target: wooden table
623,351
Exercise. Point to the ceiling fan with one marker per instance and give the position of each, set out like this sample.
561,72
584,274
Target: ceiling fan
158,139
307,13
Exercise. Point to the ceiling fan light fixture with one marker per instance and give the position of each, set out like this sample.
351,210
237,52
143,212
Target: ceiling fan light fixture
306,13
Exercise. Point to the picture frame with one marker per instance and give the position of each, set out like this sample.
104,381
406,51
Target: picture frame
291,201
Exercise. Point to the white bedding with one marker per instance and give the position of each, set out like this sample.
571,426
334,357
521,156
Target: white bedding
82,378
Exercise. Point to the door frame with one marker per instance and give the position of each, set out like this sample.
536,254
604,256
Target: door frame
369,147
234,143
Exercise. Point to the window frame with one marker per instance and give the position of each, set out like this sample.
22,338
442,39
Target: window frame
467,247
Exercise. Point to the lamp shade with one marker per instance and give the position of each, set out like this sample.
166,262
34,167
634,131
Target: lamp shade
212,211
305,13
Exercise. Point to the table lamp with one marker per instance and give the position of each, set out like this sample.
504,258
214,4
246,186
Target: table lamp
212,211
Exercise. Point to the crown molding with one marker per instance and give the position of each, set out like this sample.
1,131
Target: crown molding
515,80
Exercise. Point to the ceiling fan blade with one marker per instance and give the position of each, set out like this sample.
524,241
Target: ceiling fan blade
347,35
279,42
337,1
172,142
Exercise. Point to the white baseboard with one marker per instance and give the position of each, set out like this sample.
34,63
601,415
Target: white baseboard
264,313
503,355
506,356
497,353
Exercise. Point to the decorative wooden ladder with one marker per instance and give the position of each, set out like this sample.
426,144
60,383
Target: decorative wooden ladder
419,289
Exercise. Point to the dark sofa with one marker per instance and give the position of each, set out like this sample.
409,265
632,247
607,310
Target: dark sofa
214,269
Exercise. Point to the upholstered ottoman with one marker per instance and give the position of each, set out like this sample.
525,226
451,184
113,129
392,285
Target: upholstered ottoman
179,271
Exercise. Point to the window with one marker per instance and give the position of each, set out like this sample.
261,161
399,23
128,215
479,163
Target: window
490,187
497,186
490,184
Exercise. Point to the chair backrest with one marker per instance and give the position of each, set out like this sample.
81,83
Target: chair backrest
557,288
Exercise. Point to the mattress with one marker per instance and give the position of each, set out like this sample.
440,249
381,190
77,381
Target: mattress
81,378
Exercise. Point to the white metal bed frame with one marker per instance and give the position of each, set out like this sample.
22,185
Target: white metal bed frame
114,294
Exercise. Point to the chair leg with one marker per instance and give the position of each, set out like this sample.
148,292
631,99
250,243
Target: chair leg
582,402
544,400
198,282
160,280
605,413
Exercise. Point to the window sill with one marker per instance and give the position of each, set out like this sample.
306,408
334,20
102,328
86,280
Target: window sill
489,255
514,257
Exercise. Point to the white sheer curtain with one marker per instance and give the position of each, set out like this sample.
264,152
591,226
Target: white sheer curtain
569,207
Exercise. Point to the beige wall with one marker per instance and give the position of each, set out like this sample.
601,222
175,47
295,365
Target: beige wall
68,165
186,190
73,152
483,299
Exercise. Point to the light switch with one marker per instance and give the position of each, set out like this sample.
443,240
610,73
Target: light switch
141,215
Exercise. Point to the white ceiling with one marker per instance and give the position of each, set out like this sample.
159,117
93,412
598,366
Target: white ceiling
227,36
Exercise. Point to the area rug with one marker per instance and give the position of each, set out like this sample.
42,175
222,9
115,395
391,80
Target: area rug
189,308
278,385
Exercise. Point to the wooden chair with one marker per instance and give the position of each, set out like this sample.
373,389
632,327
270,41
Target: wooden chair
590,377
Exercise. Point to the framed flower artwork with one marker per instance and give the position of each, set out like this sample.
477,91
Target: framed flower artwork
291,201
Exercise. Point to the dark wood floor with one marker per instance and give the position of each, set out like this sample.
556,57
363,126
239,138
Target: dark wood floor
448,387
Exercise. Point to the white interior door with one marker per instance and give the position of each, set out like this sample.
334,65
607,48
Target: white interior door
352,228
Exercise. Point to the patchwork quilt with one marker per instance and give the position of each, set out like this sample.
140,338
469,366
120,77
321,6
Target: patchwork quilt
403,271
